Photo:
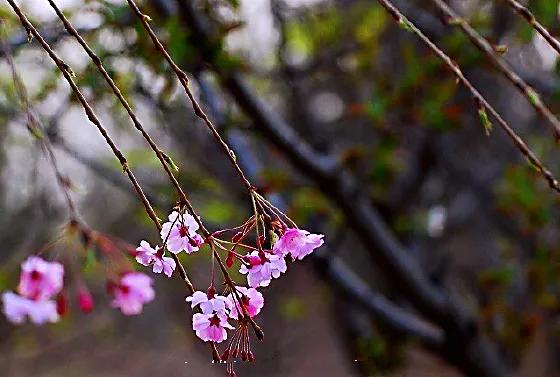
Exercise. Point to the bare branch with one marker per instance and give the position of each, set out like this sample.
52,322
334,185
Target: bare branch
481,102
452,18
530,18
183,79
162,157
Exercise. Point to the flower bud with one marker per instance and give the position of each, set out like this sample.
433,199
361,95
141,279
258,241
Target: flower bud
85,300
61,305
229,260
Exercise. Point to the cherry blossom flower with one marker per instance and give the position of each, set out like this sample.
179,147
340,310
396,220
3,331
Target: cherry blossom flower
298,243
133,290
17,308
179,233
40,279
262,269
209,303
251,299
211,327
146,255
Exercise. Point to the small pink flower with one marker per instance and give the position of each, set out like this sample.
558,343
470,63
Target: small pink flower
180,233
298,243
211,327
262,270
209,303
251,299
40,279
133,290
17,308
146,255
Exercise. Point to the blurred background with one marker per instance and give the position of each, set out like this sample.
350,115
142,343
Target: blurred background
442,252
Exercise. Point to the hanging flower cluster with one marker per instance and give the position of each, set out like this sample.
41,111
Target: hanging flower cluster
40,293
276,237
259,249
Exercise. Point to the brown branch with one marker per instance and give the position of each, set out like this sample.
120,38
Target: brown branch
530,18
162,157
452,18
183,79
336,271
67,73
165,161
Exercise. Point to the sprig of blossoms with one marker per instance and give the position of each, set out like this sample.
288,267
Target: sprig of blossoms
39,282
210,325
261,269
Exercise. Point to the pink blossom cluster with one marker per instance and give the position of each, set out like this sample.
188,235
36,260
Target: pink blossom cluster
40,281
178,234
261,267
215,310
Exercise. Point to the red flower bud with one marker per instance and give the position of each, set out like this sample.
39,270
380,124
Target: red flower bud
61,305
85,300
229,260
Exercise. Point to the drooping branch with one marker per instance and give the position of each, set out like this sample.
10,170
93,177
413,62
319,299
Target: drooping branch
463,345
183,79
162,157
334,269
452,18
67,73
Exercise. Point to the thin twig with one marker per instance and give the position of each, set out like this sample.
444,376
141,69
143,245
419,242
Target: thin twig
183,79
36,128
530,18
481,102
163,158
452,18
67,73
165,161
